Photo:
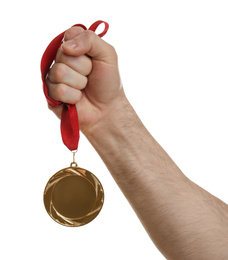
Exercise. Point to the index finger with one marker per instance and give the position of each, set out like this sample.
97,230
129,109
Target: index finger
91,44
72,32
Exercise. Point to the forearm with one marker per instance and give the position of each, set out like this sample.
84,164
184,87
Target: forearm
176,213
129,151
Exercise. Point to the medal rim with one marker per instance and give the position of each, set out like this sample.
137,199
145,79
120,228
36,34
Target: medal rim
71,171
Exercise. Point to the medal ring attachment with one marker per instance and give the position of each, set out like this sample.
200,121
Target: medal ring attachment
73,196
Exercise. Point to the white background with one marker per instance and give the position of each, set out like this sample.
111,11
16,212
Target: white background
173,59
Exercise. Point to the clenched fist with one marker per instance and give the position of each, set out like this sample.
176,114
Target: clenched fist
85,73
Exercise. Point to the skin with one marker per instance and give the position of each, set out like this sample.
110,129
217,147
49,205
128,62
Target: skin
182,219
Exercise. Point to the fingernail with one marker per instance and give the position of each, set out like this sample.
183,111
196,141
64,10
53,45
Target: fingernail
70,44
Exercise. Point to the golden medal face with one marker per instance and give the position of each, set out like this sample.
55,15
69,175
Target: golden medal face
73,196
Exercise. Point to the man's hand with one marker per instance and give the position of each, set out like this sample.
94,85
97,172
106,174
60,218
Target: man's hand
85,73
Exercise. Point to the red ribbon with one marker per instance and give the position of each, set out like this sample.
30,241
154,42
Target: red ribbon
69,118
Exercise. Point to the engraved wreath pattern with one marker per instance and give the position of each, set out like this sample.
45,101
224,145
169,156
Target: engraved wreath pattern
73,171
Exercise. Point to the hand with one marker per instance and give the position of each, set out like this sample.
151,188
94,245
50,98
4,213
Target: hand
85,73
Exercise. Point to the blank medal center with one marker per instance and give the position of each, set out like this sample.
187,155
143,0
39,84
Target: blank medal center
73,197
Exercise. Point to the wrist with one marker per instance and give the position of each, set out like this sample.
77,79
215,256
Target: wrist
119,137
112,120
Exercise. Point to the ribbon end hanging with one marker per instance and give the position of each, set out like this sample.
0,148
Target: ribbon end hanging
70,127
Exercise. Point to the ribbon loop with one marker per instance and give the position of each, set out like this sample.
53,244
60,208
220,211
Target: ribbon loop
69,118
95,25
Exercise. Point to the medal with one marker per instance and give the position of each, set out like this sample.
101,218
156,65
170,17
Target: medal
73,196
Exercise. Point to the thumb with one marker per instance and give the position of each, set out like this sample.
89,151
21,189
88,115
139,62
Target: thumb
87,42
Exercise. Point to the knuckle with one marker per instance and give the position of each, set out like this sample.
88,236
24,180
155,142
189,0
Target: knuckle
72,32
89,35
59,72
60,92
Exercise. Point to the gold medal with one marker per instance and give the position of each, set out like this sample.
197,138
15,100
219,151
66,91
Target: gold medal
73,196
